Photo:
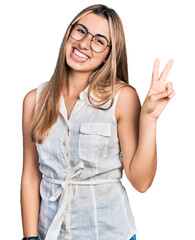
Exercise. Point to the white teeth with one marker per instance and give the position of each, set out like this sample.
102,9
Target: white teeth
78,54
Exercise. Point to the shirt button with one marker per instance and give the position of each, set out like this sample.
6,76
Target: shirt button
64,143
64,165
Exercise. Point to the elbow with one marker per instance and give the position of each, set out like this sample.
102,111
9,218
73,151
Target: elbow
142,188
141,185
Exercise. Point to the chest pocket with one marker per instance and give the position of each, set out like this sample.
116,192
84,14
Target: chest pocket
93,141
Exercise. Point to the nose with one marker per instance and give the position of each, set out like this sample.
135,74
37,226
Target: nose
86,42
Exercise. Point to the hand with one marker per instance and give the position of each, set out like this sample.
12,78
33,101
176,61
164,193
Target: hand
159,93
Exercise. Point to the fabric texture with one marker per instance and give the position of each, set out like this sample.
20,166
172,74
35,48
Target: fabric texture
82,196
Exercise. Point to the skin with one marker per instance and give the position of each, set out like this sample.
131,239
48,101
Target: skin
137,127
31,176
136,124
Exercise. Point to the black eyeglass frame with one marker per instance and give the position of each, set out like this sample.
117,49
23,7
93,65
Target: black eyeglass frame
87,34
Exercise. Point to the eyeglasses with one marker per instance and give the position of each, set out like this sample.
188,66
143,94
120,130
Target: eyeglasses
98,42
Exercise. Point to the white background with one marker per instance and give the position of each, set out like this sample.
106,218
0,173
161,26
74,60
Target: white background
31,35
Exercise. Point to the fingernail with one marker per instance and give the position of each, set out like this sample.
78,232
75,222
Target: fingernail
170,91
170,96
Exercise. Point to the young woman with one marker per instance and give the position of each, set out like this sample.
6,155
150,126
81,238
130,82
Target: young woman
81,128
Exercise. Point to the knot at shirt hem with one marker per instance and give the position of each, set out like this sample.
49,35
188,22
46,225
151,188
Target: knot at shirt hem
62,193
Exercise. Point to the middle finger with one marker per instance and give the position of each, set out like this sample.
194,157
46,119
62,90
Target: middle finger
165,72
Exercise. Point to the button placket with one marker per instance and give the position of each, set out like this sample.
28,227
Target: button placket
66,143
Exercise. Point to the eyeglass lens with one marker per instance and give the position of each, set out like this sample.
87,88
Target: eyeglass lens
98,44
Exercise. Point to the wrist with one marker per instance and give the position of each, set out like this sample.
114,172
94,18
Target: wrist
147,117
147,126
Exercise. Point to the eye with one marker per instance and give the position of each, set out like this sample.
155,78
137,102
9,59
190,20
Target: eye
81,31
99,40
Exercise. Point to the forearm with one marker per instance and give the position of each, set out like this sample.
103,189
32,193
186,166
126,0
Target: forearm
30,202
143,164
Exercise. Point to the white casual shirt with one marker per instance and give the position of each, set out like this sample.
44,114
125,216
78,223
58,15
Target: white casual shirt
82,197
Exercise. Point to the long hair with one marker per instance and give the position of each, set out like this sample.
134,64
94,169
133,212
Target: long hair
113,74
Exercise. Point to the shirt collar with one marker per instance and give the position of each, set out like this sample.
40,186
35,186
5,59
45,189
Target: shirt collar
83,94
83,101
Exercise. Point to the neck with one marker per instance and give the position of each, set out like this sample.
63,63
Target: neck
76,82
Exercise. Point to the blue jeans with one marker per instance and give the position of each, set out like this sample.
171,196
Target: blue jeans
133,238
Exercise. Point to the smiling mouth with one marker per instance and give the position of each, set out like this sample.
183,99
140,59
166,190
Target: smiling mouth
77,55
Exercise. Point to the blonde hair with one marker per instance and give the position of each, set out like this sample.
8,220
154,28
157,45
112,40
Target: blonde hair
111,74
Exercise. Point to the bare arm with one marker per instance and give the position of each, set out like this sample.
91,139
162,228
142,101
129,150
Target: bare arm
137,128
143,165
31,176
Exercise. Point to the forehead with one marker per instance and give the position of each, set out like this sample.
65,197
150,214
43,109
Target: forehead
96,24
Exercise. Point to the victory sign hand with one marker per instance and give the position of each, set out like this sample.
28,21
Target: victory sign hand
159,93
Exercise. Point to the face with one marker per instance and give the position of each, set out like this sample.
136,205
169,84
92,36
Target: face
79,54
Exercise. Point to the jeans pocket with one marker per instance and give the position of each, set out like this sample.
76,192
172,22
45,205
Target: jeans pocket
133,238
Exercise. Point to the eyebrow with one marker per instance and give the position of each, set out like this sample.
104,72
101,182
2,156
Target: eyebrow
100,35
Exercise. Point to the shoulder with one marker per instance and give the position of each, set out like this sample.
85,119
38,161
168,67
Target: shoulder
127,95
128,103
126,90
30,98
29,103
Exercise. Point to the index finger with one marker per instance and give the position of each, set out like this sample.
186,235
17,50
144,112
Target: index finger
155,72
